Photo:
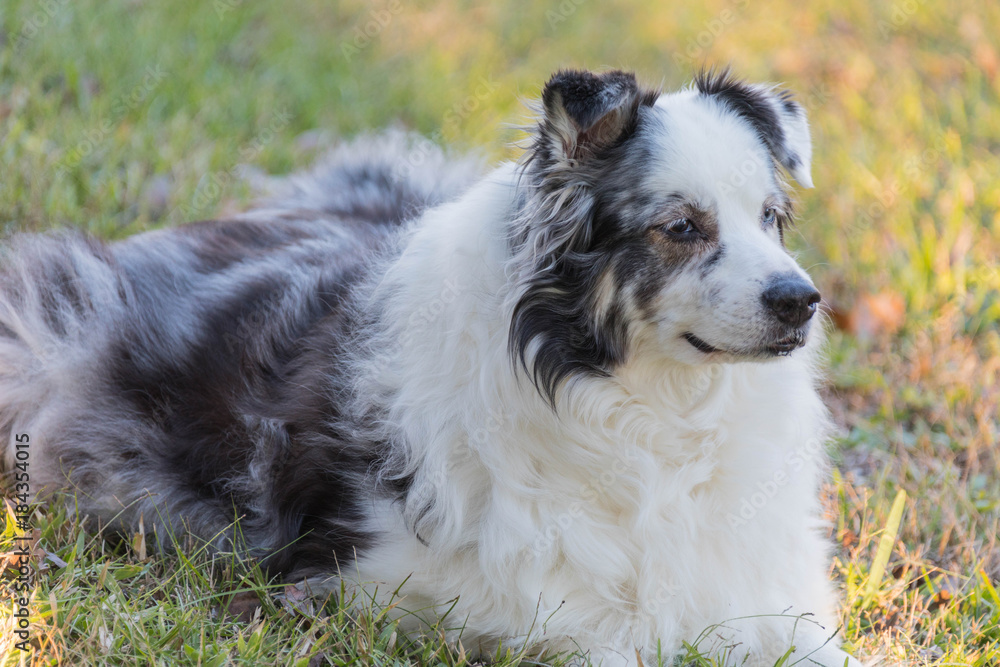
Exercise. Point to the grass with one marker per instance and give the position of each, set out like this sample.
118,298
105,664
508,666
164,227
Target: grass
120,116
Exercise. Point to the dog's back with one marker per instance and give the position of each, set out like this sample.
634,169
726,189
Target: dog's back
189,372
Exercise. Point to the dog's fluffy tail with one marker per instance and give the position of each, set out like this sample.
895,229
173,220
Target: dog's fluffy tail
385,178
56,294
65,297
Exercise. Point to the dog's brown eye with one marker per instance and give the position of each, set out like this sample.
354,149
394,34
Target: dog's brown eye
680,227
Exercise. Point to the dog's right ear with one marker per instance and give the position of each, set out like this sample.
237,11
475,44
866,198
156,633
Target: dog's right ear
585,112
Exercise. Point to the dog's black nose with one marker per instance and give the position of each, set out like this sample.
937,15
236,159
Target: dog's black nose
791,299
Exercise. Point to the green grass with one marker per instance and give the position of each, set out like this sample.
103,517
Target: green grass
116,117
113,605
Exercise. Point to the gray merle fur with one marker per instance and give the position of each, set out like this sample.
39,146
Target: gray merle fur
203,367
555,310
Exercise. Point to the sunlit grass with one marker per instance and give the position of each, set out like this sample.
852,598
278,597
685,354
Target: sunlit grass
112,606
120,116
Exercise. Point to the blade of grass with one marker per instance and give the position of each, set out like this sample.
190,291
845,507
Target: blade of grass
885,545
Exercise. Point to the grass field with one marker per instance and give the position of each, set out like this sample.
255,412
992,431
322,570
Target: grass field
119,116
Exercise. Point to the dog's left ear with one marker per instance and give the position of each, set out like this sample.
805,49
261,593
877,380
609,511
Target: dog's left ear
585,112
778,119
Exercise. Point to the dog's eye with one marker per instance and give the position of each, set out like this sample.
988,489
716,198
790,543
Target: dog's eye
770,217
680,227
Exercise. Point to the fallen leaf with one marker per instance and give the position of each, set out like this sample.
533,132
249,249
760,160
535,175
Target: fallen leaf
986,57
318,660
242,607
941,599
56,560
873,315
106,639
27,546
298,598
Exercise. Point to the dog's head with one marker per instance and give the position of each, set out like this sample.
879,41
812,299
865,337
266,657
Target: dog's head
660,219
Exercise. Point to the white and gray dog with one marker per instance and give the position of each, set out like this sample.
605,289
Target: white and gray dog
572,403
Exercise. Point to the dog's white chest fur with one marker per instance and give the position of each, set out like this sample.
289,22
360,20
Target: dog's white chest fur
640,509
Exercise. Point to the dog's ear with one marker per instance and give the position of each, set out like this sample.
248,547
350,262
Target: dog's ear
778,119
585,112
553,331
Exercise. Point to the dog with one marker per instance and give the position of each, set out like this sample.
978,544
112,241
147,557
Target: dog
571,402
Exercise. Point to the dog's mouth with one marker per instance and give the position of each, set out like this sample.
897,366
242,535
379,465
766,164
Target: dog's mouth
699,344
779,348
784,346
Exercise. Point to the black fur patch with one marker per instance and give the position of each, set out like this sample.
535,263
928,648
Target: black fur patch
712,260
588,97
755,105
554,322
603,109
253,381
556,317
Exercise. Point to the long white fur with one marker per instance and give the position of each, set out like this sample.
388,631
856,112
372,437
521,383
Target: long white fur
611,524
